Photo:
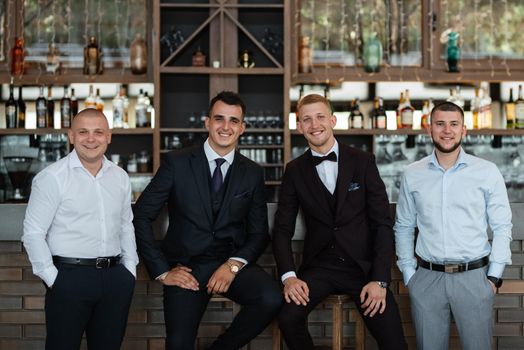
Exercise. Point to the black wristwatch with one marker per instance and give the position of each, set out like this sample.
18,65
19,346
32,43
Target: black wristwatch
496,281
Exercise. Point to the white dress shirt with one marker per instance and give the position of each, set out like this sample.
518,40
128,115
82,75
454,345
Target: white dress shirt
72,213
328,173
452,209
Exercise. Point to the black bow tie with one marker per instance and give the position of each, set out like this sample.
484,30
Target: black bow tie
332,157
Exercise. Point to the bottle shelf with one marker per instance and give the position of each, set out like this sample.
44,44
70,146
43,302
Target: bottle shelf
43,131
74,75
202,130
222,71
372,132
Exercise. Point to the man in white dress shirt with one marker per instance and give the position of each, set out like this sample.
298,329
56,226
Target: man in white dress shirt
79,236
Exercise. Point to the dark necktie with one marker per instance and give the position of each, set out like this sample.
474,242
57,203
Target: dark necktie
332,157
217,179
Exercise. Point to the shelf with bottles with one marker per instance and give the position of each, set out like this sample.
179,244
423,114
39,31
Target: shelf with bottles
73,76
53,114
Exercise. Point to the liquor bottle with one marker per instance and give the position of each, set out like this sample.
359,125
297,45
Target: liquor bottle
379,115
485,113
357,119
21,109
150,110
92,60
41,109
424,120
519,110
17,57
406,113
125,104
455,97
50,109
10,109
327,92
118,111
399,108
475,108
141,110
99,103
74,103
138,55
510,111
65,110
90,101
372,54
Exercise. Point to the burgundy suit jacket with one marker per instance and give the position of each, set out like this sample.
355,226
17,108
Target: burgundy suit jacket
362,224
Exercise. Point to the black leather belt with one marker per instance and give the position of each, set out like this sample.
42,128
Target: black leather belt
453,268
99,263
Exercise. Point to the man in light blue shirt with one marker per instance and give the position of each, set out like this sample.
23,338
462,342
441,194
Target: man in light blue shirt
452,197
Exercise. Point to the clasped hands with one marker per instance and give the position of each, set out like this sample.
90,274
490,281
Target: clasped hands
218,283
372,296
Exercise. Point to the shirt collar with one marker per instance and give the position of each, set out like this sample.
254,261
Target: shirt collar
211,155
74,162
462,159
333,149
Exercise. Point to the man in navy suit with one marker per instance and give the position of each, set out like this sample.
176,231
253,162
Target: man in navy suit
218,227
348,245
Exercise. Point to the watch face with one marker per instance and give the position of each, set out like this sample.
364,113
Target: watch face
234,268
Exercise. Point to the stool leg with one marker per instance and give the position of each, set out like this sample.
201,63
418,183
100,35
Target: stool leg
337,326
277,336
360,332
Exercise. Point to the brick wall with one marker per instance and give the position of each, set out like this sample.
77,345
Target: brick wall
22,316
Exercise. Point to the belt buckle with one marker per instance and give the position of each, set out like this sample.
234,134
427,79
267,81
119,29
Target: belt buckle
102,263
451,268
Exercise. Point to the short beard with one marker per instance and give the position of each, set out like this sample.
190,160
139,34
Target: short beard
447,150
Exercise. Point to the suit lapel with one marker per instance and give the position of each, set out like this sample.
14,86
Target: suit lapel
236,174
314,183
346,169
200,168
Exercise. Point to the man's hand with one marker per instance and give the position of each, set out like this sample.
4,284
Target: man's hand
493,287
373,299
296,290
220,280
180,276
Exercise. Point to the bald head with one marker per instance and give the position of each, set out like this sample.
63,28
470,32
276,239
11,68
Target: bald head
90,113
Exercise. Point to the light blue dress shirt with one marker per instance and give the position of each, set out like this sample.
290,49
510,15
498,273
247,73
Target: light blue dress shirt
452,209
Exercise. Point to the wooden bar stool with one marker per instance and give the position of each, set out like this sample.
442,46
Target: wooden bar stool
337,302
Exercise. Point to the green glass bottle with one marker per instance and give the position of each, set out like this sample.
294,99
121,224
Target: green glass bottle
453,52
372,54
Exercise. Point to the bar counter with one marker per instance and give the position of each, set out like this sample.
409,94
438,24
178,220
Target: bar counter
22,322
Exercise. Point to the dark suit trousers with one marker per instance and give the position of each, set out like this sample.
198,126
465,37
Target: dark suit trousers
259,295
385,328
84,298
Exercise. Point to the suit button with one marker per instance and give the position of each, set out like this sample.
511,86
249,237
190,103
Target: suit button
335,228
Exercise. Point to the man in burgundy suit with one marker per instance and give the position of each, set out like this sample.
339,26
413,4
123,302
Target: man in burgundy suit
348,244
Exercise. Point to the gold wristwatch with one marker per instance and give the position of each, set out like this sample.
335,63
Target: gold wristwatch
234,268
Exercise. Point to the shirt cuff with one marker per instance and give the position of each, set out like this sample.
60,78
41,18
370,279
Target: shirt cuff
287,275
49,275
243,261
496,269
407,274
130,266
162,276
